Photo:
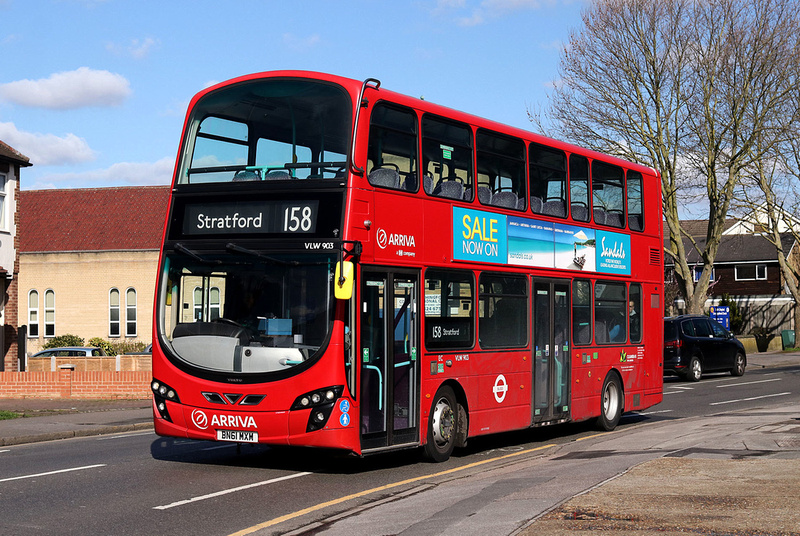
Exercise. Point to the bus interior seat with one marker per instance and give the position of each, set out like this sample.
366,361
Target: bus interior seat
521,204
584,334
410,184
386,177
485,195
635,222
427,184
467,194
579,212
211,329
278,175
536,204
450,189
600,331
554,207
505,199
246,175
614,219
599,216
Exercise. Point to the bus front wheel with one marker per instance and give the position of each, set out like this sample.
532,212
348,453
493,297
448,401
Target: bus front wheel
442,425
612,402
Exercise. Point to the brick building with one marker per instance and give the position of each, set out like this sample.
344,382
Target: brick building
11,161
88,262
746,269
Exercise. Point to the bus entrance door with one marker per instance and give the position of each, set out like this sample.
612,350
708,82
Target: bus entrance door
551,340
389,374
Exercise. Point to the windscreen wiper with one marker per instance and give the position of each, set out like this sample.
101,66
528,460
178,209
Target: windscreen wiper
230,246
186,251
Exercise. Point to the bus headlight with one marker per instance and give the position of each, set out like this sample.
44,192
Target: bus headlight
321,403
161,393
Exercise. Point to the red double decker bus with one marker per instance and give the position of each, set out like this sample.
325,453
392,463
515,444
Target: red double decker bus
348,267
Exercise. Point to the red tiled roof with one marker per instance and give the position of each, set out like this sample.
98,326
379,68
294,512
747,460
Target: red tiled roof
9,153
92,219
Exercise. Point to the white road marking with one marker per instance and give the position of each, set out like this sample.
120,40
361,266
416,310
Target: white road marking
53,472
748,399
654,412
749,383
227,491
125,435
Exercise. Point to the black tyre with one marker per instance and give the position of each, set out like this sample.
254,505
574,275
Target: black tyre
739,364
612,403
695,370
442,425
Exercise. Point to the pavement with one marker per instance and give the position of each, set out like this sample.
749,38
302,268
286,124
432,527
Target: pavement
733,474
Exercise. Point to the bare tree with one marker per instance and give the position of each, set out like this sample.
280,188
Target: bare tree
683,86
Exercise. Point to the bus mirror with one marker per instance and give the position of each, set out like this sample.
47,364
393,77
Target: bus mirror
343,280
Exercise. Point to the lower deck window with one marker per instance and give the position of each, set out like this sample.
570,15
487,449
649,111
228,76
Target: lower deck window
503,317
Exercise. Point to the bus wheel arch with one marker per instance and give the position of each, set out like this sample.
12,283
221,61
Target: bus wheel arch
447,422
612,401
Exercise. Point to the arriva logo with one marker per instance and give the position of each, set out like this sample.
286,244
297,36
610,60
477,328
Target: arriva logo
394,239
200,419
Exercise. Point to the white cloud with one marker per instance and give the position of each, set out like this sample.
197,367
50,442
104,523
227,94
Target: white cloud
47,149
137,48
484,10
81,88
300,44
120,174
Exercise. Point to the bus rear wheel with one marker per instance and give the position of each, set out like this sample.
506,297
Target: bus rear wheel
442,426
612,402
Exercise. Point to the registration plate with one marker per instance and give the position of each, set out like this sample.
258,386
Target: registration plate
239,436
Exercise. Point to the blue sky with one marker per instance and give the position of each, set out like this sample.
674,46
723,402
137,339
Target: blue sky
94,92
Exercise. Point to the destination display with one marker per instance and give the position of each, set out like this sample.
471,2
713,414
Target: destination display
250,217
496,238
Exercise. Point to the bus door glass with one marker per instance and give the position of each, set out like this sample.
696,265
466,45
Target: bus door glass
389,366
551,369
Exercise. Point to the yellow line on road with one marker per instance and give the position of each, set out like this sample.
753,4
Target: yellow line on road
304,511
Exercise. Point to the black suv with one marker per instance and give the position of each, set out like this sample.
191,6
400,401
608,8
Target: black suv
694,344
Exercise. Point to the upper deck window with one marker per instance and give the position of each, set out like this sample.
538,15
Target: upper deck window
392,151
548,171
635,201
607,194
270,129
579,204
501,169
446,158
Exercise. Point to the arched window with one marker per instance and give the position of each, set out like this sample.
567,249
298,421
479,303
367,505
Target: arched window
33,314
130,312
113,313
49,313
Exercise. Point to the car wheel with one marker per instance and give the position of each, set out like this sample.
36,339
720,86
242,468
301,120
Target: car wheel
738,365
695,371
612,402
442,426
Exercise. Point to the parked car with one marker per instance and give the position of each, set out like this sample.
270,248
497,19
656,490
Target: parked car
695,344
71,351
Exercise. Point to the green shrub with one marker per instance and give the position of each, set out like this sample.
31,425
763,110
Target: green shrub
117,348
63,340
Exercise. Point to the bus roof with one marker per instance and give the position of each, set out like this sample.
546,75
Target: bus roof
353,87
